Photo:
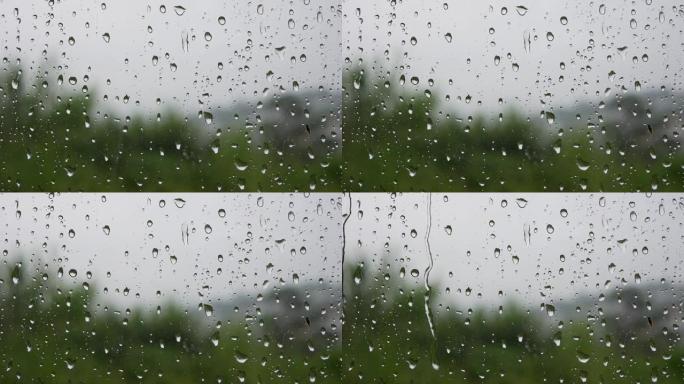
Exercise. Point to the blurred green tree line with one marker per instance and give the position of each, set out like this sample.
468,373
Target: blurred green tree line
58,332
393,138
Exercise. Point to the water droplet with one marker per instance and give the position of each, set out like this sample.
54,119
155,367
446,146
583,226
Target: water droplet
16,275
215,337
240,357
240,165
550,117
550,310
582,165
179,9
583,357
521,9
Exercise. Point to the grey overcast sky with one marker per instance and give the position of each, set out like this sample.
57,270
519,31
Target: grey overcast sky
192,248
551,55
191,55
302,235
561,244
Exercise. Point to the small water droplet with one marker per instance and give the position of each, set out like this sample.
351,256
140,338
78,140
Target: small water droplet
240,357
521,9
179,9
583,357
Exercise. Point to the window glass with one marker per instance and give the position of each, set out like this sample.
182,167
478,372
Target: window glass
500,96
338,146
130,95
170,287
514,288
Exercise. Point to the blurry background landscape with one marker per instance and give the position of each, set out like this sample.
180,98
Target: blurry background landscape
218,287
390,141
325,97
298,97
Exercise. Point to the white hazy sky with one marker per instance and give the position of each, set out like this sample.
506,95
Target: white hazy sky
264,240
638,40
302,234
209,54
593,234
590,40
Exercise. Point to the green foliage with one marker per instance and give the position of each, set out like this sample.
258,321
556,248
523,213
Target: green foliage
60,332
387,339
392,139
55,144
396,140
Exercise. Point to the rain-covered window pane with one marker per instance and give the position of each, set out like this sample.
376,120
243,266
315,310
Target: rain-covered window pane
319,101
444,287
146,95
170,288
501,96
555,288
